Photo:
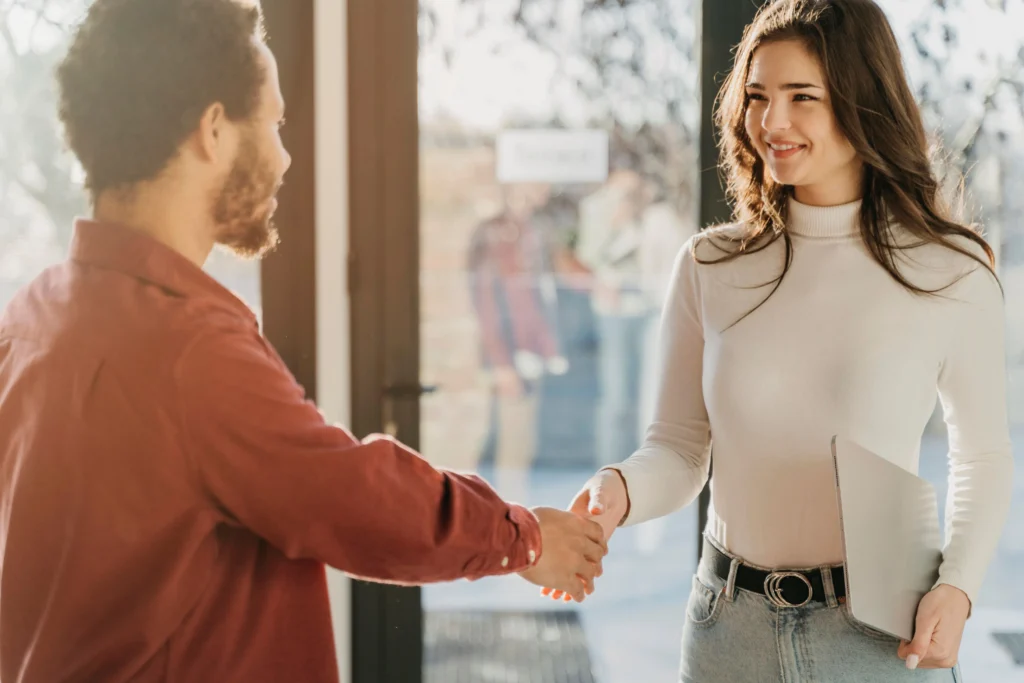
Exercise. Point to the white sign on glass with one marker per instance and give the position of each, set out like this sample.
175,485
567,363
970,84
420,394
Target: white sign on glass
552,156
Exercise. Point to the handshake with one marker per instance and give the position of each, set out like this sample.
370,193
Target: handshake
575,542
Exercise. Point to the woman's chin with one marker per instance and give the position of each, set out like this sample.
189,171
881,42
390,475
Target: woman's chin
790,179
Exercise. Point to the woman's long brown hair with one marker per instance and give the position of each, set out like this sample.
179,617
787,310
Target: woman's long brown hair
875,110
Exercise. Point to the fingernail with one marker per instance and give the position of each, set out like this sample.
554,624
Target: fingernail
596,510
913,661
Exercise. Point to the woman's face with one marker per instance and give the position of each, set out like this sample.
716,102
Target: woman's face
790,122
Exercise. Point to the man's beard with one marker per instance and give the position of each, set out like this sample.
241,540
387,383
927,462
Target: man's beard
242,210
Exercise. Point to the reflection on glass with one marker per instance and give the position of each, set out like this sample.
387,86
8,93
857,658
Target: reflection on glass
514,303
558,170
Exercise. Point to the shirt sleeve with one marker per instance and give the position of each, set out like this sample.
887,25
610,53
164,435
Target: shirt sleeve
671,467
375,509
972,389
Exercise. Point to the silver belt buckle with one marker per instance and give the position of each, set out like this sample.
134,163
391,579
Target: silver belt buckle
773,588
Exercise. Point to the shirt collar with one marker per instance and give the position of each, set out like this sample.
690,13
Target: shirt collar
122,249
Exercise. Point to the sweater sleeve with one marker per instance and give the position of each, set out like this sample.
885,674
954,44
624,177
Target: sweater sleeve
972,389
671,467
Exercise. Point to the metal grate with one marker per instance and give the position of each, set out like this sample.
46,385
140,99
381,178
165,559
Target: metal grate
505,647
1012,643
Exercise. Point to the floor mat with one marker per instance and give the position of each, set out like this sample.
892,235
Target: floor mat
505,647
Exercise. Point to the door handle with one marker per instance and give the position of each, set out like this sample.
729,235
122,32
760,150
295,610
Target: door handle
407,391
400,392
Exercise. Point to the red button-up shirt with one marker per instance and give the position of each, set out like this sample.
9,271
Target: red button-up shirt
168,496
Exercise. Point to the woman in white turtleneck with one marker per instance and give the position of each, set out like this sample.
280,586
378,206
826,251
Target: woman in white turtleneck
841,302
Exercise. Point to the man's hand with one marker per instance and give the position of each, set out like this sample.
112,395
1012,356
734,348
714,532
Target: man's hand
572,550
941,617
605,500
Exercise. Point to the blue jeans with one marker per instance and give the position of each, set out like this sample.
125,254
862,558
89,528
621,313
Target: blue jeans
735,636
620,357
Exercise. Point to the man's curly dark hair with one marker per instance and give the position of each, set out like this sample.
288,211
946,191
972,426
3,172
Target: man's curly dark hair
140,73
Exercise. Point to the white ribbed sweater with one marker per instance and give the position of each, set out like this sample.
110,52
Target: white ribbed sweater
840,348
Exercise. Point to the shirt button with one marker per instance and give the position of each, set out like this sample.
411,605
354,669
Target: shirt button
504,562
533,556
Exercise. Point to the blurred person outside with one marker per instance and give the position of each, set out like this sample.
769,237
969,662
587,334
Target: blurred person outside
514,298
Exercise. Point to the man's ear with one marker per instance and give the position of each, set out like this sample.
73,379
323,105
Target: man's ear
212,137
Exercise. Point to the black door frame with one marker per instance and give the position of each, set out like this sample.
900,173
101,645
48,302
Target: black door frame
383,51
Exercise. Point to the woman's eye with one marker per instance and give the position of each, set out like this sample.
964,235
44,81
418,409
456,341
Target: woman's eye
803,98
756,96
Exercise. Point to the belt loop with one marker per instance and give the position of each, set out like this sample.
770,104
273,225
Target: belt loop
730,583
830,589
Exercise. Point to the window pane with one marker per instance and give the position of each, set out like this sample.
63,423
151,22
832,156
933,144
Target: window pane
558,152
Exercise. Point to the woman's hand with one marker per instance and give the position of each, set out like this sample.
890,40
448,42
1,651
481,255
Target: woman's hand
605,500
941,617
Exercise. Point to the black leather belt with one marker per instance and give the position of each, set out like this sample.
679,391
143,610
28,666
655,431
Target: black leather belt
783,588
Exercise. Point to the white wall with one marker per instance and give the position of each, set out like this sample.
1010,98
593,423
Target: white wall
332,306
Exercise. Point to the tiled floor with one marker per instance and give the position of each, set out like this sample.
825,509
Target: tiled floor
634,621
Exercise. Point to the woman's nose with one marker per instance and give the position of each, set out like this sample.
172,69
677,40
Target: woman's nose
776,117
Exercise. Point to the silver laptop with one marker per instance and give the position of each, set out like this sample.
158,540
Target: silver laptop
891,538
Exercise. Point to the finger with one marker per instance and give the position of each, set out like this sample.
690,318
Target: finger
594,552
588,570
546,591
581,503
595,533
597,501
578,592
588,584
918,648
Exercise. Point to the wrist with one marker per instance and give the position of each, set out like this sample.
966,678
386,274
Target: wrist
528,544
625,489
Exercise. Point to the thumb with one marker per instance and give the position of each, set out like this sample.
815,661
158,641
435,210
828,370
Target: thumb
918,647
597,502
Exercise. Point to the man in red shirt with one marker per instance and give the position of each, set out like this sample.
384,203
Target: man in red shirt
167,495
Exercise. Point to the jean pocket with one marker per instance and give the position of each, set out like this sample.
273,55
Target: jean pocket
863,628
704,605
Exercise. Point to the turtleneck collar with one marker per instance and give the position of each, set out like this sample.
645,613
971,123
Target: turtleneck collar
824,221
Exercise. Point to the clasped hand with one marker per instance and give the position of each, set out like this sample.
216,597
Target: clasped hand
602,503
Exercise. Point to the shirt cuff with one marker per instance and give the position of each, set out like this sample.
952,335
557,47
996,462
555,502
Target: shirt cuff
951,579
527,547
520,547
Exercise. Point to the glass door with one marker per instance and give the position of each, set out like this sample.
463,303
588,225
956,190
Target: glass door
558,180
